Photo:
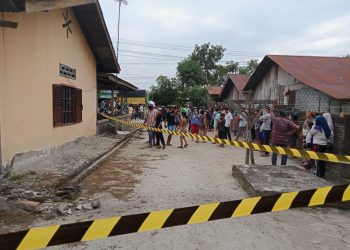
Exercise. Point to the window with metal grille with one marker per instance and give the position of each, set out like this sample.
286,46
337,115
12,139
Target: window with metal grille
67,105
68,113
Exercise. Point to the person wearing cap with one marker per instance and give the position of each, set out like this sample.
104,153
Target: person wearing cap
150,121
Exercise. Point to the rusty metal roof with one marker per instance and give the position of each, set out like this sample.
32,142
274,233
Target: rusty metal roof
330,75
214,90
238,80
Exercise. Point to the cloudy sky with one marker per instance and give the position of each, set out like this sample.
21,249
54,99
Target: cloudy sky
156,34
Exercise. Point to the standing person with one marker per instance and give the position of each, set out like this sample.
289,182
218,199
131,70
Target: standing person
204,124
281,130
228,123
142,110
294,137
221,128
159,134
150,121
209,115
183,129
320,133
329,120
266,128
217,115
195,123
170,123
242,125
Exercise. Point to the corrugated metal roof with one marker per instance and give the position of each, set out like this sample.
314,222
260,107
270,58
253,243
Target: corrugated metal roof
238,80
214,90
11,5
330,75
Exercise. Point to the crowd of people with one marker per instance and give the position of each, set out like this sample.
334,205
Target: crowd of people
271,128
112,107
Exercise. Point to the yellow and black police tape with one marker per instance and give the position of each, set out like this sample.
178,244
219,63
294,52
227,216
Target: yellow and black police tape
40,237
306,154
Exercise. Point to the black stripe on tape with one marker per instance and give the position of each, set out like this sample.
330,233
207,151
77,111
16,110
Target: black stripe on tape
336,194
224,210
265,204
303,198
129,224
180,216
70,233
12,240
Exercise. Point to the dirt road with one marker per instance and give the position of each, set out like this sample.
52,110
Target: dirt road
137,179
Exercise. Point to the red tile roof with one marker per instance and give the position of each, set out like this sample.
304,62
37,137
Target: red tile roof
238,80
214,90
330,75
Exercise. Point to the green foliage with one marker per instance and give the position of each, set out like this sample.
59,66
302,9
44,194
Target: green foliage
165,92
208,56
219,76
200,69
250,67
190,73
197,95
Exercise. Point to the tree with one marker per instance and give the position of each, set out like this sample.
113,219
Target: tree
219,76
190,73
347,56
197,95
165,92
250,67
208,56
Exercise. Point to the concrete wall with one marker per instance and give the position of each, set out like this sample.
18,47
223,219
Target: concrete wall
33,52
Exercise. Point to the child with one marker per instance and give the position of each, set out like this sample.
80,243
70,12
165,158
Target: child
159,135
221,128
183,125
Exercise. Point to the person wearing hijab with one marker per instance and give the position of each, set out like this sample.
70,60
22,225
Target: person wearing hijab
320,133
329,120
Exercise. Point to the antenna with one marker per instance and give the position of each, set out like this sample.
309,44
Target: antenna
125,2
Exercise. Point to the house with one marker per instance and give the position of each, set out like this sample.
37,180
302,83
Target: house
233,87
50,53
304,83
110,86
213,94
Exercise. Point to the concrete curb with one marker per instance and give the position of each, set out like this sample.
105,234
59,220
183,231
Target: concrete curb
85,169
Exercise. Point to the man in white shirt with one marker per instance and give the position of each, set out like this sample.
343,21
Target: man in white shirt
242,126
266,128
228,123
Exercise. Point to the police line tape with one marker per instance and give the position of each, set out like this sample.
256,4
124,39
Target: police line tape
40,237
305,154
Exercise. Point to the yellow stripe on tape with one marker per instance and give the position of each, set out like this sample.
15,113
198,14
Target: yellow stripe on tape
319,196
295,152
313,155
281,150
256,146
155,220
285,201
346,195
245,145
100,228
245,207
203,213
38,237
332,157
236,143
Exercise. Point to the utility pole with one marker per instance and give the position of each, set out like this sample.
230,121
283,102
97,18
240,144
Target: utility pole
120,3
